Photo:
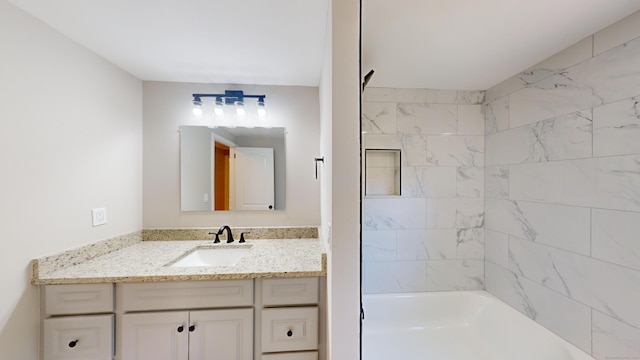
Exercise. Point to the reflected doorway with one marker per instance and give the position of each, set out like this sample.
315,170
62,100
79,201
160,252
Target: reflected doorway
221,174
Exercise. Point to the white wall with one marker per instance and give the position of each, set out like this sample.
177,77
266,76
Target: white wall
326,90
340,144
168,105
325,94
562,192
70,141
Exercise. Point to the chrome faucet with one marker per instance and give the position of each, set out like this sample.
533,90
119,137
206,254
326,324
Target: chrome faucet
229,234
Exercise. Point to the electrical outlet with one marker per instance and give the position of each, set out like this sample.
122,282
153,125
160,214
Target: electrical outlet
99,216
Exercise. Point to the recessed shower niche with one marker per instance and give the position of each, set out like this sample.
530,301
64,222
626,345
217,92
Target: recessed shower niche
382,172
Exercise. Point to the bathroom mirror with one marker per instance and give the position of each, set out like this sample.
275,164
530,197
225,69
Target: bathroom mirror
232,168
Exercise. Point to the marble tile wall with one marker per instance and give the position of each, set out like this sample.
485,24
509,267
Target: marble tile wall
562,192
431,237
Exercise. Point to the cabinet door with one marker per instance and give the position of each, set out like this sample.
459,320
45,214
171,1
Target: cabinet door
221,335
289,329
79,338
157,336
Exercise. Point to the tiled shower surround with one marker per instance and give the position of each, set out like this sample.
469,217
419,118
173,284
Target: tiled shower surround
562,192
554,228
429,238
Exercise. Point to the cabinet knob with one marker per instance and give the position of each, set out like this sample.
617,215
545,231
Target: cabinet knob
289,333
180,329
73,343
191,328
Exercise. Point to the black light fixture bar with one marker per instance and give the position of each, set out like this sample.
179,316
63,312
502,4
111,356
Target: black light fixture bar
230,96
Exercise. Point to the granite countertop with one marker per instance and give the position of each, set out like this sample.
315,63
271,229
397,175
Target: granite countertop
146,261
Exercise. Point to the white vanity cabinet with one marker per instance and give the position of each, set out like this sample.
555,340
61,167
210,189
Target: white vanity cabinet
149,329
77,322
248,319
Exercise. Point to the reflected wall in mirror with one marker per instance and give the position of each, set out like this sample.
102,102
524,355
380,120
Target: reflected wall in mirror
232,168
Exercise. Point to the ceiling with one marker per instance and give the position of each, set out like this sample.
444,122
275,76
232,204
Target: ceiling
276,42
473,44
438,44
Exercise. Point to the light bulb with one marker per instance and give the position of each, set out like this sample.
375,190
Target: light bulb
218,109
197,107
262,109
240,111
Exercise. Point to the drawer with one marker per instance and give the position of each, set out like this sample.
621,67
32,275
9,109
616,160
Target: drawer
79,338
186,295
290,291
78,299
290,329
313,355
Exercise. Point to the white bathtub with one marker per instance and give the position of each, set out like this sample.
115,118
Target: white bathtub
455,325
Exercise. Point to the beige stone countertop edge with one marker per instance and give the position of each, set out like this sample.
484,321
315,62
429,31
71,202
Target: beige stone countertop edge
162,278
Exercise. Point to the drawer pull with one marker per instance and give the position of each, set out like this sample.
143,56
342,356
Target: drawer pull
73,343
192,328
180,329
289,333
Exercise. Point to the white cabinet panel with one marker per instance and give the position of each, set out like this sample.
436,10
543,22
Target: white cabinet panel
157,336
186,295
79,338
221,335
78,299
292,356
290,291
289,329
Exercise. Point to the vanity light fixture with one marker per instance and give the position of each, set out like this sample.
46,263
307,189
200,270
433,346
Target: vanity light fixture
230,97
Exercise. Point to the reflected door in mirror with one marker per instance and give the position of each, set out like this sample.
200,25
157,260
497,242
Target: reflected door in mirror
254,178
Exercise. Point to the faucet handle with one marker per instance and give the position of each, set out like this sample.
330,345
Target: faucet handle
242,236
217,240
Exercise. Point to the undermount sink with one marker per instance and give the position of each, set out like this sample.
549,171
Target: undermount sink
223,255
